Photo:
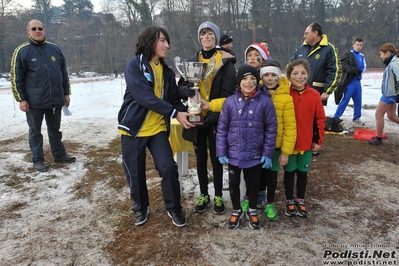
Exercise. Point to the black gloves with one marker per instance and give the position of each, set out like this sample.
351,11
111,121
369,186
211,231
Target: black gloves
359,72
397,98
185,90
206,122
210,119
189,92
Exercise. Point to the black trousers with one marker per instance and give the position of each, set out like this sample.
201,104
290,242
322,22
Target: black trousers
207,135
133,159
34,119
268,179
289,179
252,179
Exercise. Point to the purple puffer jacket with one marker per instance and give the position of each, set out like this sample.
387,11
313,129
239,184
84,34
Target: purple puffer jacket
247,129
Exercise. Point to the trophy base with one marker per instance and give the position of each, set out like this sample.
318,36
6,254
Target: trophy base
197,119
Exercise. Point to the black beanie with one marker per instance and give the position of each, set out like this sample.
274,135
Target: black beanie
246,70
225,39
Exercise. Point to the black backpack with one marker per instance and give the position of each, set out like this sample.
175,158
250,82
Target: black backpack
333,124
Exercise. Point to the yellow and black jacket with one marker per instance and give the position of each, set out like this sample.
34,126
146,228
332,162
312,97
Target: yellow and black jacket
39,75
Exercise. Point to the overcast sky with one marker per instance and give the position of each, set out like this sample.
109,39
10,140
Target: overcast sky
97,4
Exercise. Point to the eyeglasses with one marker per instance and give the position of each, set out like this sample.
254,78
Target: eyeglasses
38,28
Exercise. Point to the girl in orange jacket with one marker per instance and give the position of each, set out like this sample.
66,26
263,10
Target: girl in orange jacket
310,119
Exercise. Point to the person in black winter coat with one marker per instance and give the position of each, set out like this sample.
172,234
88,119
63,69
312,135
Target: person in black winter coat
40,84
213,90
150,101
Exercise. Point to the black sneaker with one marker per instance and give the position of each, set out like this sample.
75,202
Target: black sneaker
65,159
301,209
290,208
203,203
219,206
41,167
178,218
141,217
374,141
252,216
234,221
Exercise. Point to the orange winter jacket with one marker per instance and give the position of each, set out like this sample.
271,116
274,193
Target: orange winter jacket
310,118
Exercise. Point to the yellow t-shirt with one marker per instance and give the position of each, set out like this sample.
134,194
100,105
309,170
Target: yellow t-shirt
205,86
154,122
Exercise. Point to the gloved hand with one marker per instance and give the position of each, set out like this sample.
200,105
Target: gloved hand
185,90
397,98
188,91
210,119
359,72
223,159
206,122
267,162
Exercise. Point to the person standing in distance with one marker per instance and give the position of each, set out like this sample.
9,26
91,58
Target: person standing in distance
40,83
226,43
323,59
265,44
387,104
353,66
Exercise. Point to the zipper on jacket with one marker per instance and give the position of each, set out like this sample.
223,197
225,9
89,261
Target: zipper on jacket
49,80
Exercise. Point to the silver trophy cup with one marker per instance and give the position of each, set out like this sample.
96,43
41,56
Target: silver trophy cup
194,72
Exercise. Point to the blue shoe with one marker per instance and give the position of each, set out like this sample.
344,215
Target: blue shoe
261,199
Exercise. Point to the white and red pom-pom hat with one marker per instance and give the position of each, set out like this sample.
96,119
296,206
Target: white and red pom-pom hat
261,49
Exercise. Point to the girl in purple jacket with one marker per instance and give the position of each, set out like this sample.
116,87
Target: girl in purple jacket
245,140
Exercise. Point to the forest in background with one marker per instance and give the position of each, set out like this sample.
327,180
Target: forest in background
104,41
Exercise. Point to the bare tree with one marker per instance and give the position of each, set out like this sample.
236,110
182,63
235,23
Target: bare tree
44,11
4,12
105,41
80,8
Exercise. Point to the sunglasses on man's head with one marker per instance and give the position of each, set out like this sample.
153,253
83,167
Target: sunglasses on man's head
38,28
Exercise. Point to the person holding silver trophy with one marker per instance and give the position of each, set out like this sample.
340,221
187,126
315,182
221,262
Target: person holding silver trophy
150,101
217,84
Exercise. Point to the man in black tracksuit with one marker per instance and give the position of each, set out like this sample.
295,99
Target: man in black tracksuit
40,84
323,60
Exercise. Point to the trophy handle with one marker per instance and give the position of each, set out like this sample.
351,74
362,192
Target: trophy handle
177,60
212,64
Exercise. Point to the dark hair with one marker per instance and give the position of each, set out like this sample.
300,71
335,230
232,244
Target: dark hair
145,43
358,40
298,62
271,63
315,26
389,47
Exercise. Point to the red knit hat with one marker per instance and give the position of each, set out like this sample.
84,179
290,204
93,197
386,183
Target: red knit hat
261,49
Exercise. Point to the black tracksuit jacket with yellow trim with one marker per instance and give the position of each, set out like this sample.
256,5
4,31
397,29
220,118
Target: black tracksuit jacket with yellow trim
39,75
324,64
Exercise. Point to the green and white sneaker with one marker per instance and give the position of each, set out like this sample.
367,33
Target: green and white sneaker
270,212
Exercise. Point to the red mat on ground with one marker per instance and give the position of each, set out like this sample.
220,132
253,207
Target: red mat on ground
366,134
